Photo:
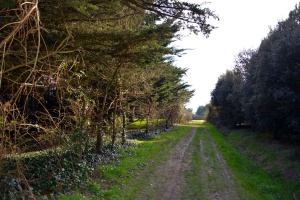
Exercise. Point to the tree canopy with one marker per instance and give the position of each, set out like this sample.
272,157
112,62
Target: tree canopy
263,89
202,112
75,72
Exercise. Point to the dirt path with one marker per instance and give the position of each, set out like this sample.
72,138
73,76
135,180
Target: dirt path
169,180
215,177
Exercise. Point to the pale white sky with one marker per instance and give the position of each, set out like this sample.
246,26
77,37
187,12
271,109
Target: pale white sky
243,24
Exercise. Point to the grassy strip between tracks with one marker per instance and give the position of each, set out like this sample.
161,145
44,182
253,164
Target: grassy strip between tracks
124,178
193,176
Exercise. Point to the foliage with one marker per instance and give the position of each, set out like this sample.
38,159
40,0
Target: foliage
276,90
226,97
202,112
184,116
73,72
189,15
51,172
263,89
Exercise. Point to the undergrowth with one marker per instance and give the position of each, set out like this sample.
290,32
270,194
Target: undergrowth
50,172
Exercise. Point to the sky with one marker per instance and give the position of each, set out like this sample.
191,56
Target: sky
242,25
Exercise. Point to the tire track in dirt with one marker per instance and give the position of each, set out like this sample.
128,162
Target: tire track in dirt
168,180
216,178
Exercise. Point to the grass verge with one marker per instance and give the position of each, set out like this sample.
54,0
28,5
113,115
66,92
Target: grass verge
280,160
256,182
123,179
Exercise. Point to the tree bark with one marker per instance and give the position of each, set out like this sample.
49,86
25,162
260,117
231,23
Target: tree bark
99,142
124,128
114,133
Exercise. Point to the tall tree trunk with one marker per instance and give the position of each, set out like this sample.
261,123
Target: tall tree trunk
114,133
167,124
100,132
99,142
131,115
148,119
124,128
147,124
82,130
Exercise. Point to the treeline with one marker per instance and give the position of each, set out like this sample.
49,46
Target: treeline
75,72
87,67
263,89
201,113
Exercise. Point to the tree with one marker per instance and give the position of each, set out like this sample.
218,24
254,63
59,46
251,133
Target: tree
202,111
226,97
190,110
172,93
188,15
245,66
265,84
70,79
277,71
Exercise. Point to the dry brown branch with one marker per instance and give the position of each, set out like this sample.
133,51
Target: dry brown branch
20,23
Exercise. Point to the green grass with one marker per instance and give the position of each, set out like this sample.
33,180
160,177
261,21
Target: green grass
141,124
256,183
202,183
196,123
280,161
123,179
194,181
